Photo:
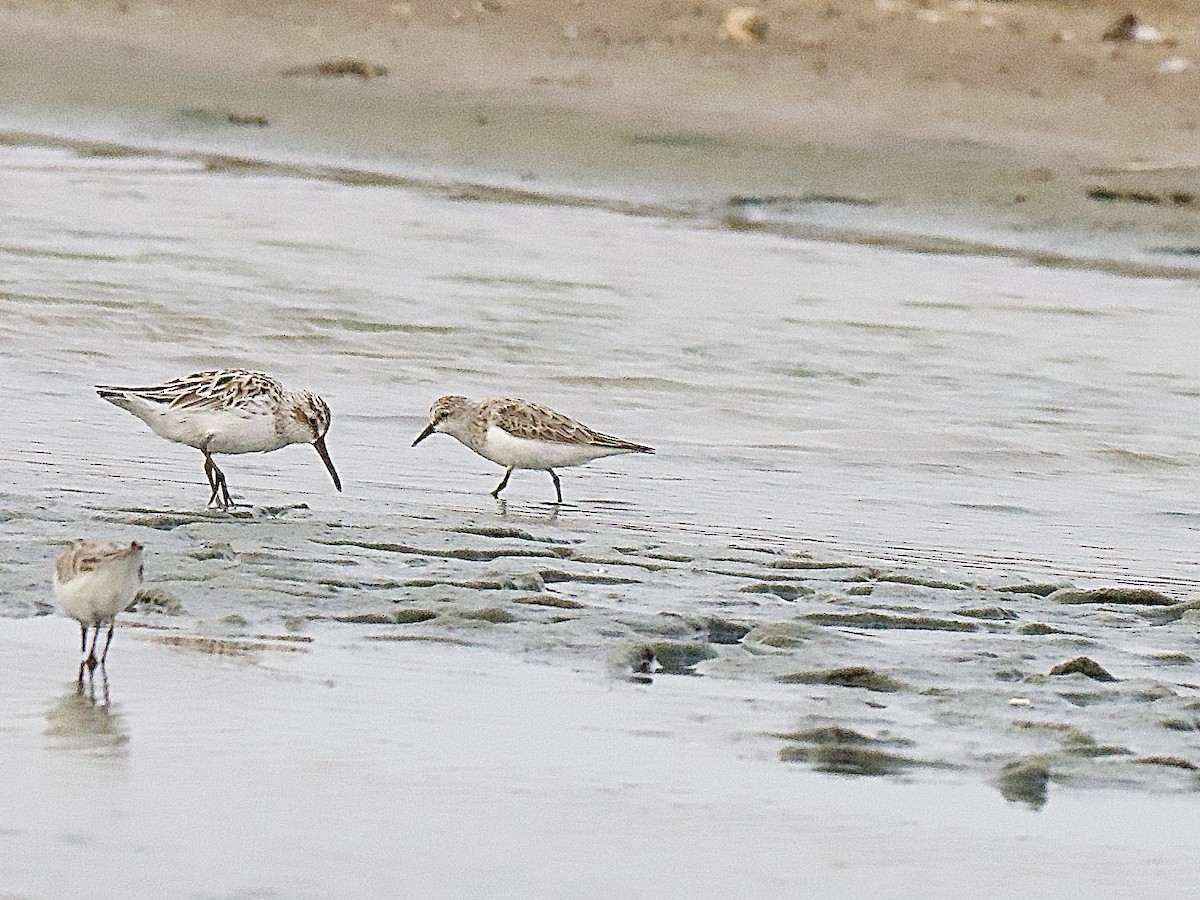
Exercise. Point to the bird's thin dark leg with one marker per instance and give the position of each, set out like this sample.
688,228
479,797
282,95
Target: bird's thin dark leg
91,657
503,482
107,641
557,484
216,479
226,500
209,466
83,630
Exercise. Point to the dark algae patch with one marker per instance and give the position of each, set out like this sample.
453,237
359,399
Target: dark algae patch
1174,762
844,751
1116,595
1049,727
413,616
549,600
394,617
214,551
464,553
1173,659
336,68
1093,751
1038,628
1038,589
846,676
783,590
367,618
1081,665
842,759
722,631
780,635
554,576
497,615
1181,724
810,564
1173,613
481,585
886,620
668,657
155,600
838,734
990,613
1025,781
826,734
496,531
916,581
1079,743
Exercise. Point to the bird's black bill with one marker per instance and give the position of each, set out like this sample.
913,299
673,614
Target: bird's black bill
319,443
429,429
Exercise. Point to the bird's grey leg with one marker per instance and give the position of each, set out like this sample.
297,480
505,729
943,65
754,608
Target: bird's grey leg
91,657
557,485
503,482
79,680
82,637
111,625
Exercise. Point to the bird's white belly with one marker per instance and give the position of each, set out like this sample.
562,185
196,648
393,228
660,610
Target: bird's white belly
217,432
99,595
506,450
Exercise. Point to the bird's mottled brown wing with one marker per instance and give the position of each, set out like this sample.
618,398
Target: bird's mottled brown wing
218,389
535,422
85,556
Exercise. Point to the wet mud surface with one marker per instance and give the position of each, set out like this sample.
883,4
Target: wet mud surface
973,677
907,488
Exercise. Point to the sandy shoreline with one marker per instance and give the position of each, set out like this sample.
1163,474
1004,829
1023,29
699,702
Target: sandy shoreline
1018,114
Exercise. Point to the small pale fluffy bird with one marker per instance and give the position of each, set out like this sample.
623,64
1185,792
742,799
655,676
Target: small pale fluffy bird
517,434
93,581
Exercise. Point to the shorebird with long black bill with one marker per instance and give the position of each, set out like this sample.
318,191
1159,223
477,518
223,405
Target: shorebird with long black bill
228,411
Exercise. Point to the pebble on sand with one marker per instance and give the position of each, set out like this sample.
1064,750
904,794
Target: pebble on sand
1130,29
744,25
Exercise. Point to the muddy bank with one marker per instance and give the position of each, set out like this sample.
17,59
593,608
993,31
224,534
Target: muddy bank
850,120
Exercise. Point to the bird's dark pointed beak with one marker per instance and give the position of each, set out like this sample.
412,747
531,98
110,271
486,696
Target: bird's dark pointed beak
319,443
429,429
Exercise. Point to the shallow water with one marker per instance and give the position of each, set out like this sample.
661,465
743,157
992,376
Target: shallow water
429,771
841,429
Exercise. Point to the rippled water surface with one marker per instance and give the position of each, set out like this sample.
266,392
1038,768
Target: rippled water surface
842,431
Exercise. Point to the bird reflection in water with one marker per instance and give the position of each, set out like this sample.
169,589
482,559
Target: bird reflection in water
84,718
549,519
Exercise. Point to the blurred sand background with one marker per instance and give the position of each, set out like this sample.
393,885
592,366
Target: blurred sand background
1013,105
